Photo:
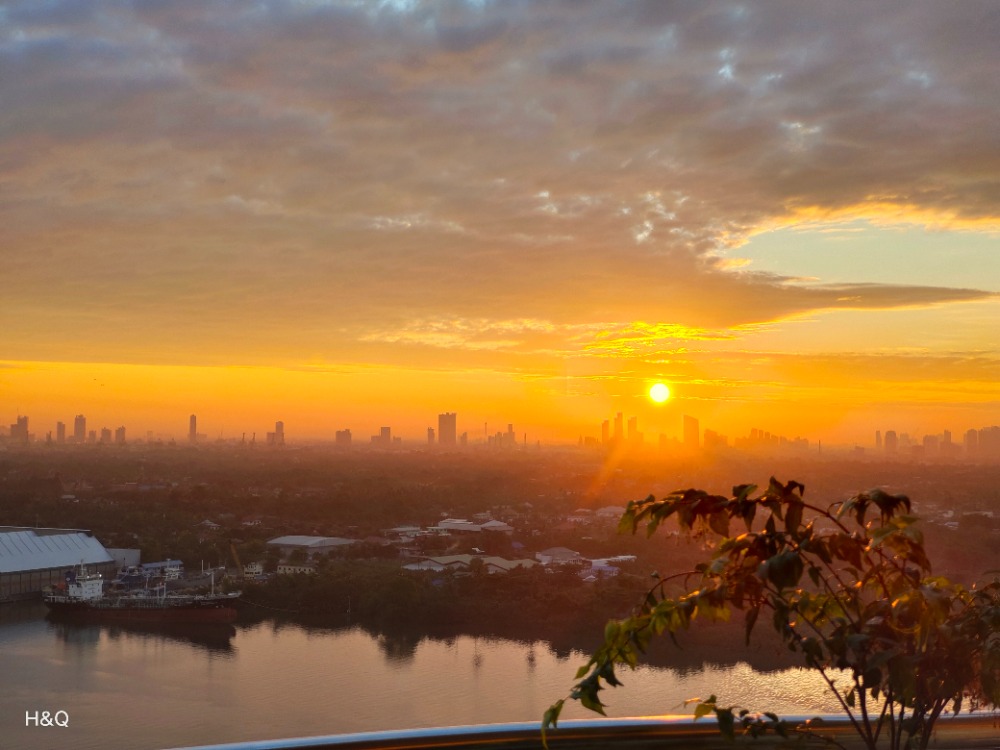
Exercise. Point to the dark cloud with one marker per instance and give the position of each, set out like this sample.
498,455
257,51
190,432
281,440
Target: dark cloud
571,162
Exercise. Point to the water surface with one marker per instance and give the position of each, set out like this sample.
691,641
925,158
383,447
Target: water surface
128,688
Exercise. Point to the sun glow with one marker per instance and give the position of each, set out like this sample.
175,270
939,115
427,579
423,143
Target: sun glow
659,393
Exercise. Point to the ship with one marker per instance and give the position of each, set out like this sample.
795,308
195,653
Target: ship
82,596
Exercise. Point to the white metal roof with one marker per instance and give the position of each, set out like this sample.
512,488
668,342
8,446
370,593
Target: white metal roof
26,550
310,541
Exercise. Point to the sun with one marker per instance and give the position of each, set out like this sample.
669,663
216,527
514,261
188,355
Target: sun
659,393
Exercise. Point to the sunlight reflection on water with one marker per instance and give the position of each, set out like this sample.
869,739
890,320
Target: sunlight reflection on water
265,682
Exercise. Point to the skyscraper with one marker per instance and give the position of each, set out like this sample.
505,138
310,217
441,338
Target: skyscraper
80,429
193,428
692,437
60,432
19,430
891,442
279,433
447,428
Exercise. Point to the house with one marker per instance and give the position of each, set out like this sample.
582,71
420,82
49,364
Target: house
499,526
463,563
458,524
558,556
611,512
293,569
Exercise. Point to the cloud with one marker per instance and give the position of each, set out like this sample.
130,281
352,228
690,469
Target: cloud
344,169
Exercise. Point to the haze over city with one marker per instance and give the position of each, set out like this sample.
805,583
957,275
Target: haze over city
359,214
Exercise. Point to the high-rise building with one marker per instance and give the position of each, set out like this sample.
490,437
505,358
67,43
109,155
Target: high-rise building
105,435
19,430
430,436
279,433
634,436
120,435
80,429
891,442
193,428
447,433
971,441
692,437
344,438
605,432
878,439
60,432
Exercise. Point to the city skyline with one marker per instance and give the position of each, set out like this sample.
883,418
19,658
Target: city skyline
690,436
357,215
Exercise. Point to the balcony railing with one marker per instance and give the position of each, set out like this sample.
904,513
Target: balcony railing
975,732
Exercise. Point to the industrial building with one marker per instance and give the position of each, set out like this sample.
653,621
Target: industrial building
31,559
311,545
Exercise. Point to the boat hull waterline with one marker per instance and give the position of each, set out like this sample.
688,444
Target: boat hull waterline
82,596
111,610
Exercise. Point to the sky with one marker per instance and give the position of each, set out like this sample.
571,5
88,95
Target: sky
355,214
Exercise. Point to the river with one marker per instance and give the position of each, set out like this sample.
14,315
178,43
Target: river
143,689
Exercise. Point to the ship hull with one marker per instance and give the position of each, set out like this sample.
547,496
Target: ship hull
123,611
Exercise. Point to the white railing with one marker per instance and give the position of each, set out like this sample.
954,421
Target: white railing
970,732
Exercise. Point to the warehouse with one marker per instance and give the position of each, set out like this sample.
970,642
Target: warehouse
31,559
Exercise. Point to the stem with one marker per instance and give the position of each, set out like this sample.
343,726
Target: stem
881,718
840,699
862,698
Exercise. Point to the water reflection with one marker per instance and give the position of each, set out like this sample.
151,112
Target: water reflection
398,648
213,637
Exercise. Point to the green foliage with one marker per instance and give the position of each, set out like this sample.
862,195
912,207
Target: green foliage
848,587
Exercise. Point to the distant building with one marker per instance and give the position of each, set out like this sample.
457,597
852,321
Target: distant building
384,438
692,438
60,432
193,428
105,435
448,428
31,559
19,430
971,441
311,545
463,563
714,440
634,436
79,429
558,556
430,436
120,436
891,442
290,569
343,438
605,432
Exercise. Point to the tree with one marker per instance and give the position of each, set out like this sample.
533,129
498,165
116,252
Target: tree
845,592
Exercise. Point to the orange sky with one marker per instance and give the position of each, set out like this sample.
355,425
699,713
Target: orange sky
354,216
